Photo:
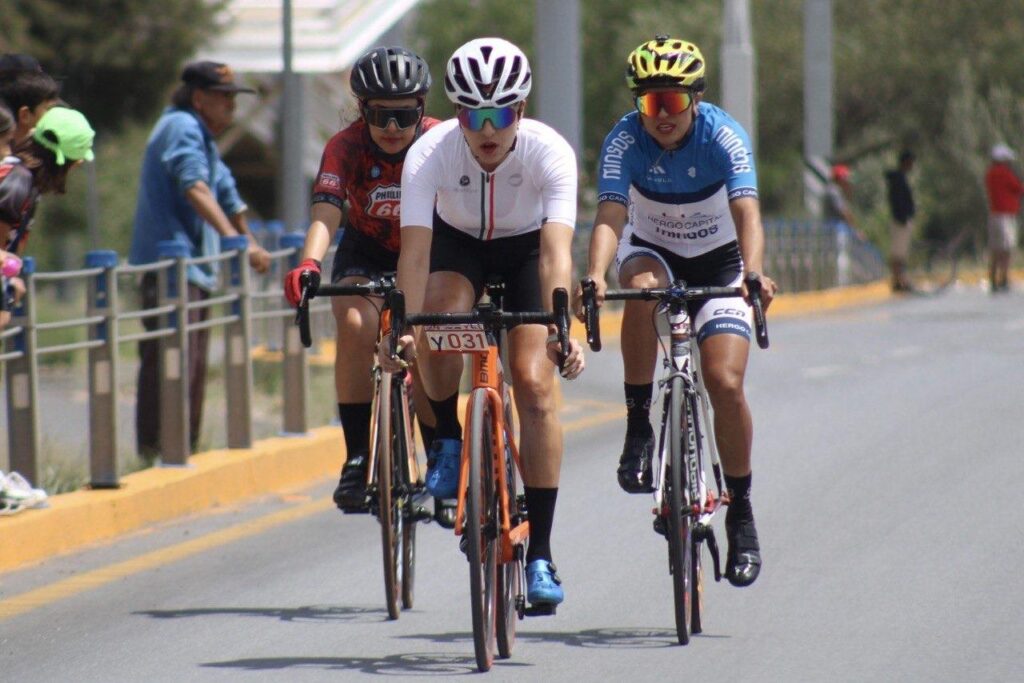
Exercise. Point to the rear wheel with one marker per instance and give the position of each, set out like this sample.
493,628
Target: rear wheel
389,515
481,546
509,573
680,540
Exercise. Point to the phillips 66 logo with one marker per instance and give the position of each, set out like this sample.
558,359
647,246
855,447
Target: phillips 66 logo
385,201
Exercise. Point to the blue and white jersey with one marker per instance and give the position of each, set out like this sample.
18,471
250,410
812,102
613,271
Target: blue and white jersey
679,199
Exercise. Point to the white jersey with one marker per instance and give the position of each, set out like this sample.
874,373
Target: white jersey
533,185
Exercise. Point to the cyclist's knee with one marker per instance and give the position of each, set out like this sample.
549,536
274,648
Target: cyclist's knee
725,386
535,395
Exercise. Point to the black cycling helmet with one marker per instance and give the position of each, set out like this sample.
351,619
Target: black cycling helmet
390,72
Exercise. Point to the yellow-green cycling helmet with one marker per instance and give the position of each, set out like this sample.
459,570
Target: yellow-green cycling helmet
665,62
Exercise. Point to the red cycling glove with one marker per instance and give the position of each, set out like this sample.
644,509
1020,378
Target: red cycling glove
293,280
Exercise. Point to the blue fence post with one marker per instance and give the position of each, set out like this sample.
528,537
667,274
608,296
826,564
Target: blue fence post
296,365
103,370
23,384
238,349
175,445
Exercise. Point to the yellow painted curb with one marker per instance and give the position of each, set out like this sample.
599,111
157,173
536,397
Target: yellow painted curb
215,478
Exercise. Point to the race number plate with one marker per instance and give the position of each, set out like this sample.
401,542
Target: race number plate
456,338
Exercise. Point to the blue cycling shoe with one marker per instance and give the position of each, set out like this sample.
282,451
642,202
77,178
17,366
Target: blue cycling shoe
443,460
543,587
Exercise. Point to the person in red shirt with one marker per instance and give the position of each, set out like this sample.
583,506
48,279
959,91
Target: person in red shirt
1004,189
361,170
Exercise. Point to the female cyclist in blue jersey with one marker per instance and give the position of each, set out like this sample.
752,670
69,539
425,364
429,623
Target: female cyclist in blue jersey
493,193
677,198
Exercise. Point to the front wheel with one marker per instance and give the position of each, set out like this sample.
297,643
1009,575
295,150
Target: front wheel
480,528
509,573
682,444
388,511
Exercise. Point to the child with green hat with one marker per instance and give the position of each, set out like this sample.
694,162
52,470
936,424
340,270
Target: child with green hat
40,165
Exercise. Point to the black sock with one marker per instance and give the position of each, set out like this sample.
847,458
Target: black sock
446,413
638,409
540,505
426,433
355,422
739,497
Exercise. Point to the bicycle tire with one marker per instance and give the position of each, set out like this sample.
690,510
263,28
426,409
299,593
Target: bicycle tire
510,573
389,521
482,544
696,589
402,481
680,539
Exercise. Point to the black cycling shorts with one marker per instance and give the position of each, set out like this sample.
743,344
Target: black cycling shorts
513,259
717,268
361,256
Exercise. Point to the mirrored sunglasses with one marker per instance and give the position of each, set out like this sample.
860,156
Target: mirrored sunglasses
672,101
500,117
380,117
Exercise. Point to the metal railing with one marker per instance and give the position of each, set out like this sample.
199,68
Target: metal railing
800,255
241,302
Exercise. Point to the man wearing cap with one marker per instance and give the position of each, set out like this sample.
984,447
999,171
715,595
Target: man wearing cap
1004,190
187,195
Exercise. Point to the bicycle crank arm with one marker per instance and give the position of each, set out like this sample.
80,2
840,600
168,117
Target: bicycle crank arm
704,532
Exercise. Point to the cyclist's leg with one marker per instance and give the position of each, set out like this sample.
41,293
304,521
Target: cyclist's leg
638,266
724,351
356,261
447,292
540,448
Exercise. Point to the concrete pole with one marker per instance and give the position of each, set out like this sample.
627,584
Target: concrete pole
738,74
818,113
557,91
294,193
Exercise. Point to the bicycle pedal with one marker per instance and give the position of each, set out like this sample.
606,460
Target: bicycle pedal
355,510
543,610
444,514
421,514
660,527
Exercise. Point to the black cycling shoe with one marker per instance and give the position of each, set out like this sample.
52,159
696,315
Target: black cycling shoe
350,496
743,562
444,512
635,464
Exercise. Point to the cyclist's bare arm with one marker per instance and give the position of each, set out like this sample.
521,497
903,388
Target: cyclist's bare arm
746,214
413,270
555,268
324,221
608,225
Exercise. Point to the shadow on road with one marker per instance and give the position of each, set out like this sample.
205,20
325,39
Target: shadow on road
607,638
424,664
305,613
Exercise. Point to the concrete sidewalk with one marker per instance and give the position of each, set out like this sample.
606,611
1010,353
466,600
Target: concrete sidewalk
221,477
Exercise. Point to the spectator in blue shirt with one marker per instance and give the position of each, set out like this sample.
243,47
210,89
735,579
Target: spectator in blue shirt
186,195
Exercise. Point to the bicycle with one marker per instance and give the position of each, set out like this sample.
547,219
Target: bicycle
490,516
684,505
394,484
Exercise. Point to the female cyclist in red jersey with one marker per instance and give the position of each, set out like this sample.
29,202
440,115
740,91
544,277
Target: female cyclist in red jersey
362,165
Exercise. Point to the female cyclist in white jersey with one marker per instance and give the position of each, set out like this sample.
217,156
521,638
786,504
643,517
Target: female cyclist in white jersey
493,193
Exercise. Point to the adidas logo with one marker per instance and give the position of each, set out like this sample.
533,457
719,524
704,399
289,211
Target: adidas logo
692,172
657,170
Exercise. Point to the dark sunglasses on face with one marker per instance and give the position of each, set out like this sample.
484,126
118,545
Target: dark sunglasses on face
404,117
500,117
672,101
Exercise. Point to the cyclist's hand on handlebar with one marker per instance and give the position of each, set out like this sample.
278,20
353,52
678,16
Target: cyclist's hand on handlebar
573,364
293,280
406,354
768,290
600,287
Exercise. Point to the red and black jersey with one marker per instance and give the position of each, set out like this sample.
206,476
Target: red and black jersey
352,168
18,199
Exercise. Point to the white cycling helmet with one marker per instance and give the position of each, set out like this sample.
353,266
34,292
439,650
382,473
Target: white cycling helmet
487,72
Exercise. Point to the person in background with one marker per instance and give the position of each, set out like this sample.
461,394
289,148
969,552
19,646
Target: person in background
362,165
27,92
6,131
186,195
61,140
901,209
1004,189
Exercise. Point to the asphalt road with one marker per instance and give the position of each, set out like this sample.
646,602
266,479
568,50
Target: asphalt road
887,467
